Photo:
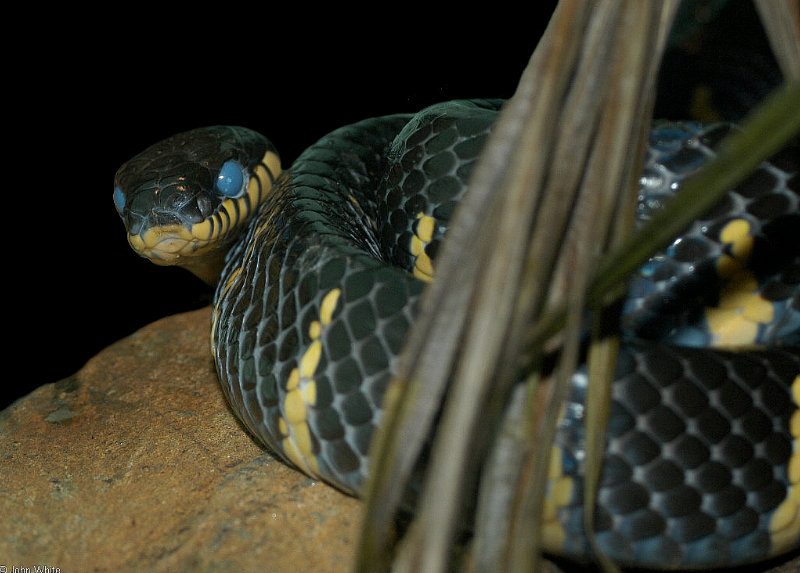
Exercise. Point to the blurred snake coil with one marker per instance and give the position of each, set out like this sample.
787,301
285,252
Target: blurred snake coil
318,270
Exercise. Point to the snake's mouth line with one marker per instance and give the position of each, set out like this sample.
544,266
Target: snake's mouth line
166,245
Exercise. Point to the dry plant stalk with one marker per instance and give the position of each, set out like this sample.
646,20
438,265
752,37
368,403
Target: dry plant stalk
552,192
781,20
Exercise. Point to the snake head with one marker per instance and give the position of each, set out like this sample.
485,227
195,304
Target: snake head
184,199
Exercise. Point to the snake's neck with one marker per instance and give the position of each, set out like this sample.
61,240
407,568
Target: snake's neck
209,267
235,219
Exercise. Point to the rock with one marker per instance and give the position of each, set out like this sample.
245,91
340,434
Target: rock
136,463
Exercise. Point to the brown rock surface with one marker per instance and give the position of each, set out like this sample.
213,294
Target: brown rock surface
136,463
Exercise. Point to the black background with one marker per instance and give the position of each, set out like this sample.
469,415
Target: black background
95,97
82,95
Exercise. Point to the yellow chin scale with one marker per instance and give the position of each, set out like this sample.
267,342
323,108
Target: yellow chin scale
784,526
423,234
164,245
301,393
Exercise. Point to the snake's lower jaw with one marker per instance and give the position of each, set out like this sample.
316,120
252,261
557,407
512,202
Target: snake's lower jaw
164,245
175,245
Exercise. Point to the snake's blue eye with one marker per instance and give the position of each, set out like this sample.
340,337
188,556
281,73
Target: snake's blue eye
119,199
230,180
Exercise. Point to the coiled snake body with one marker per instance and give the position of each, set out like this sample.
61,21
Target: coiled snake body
317,292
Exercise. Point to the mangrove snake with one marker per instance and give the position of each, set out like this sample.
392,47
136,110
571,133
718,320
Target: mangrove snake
320,267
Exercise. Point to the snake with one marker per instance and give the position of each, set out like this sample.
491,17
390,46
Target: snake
318,270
